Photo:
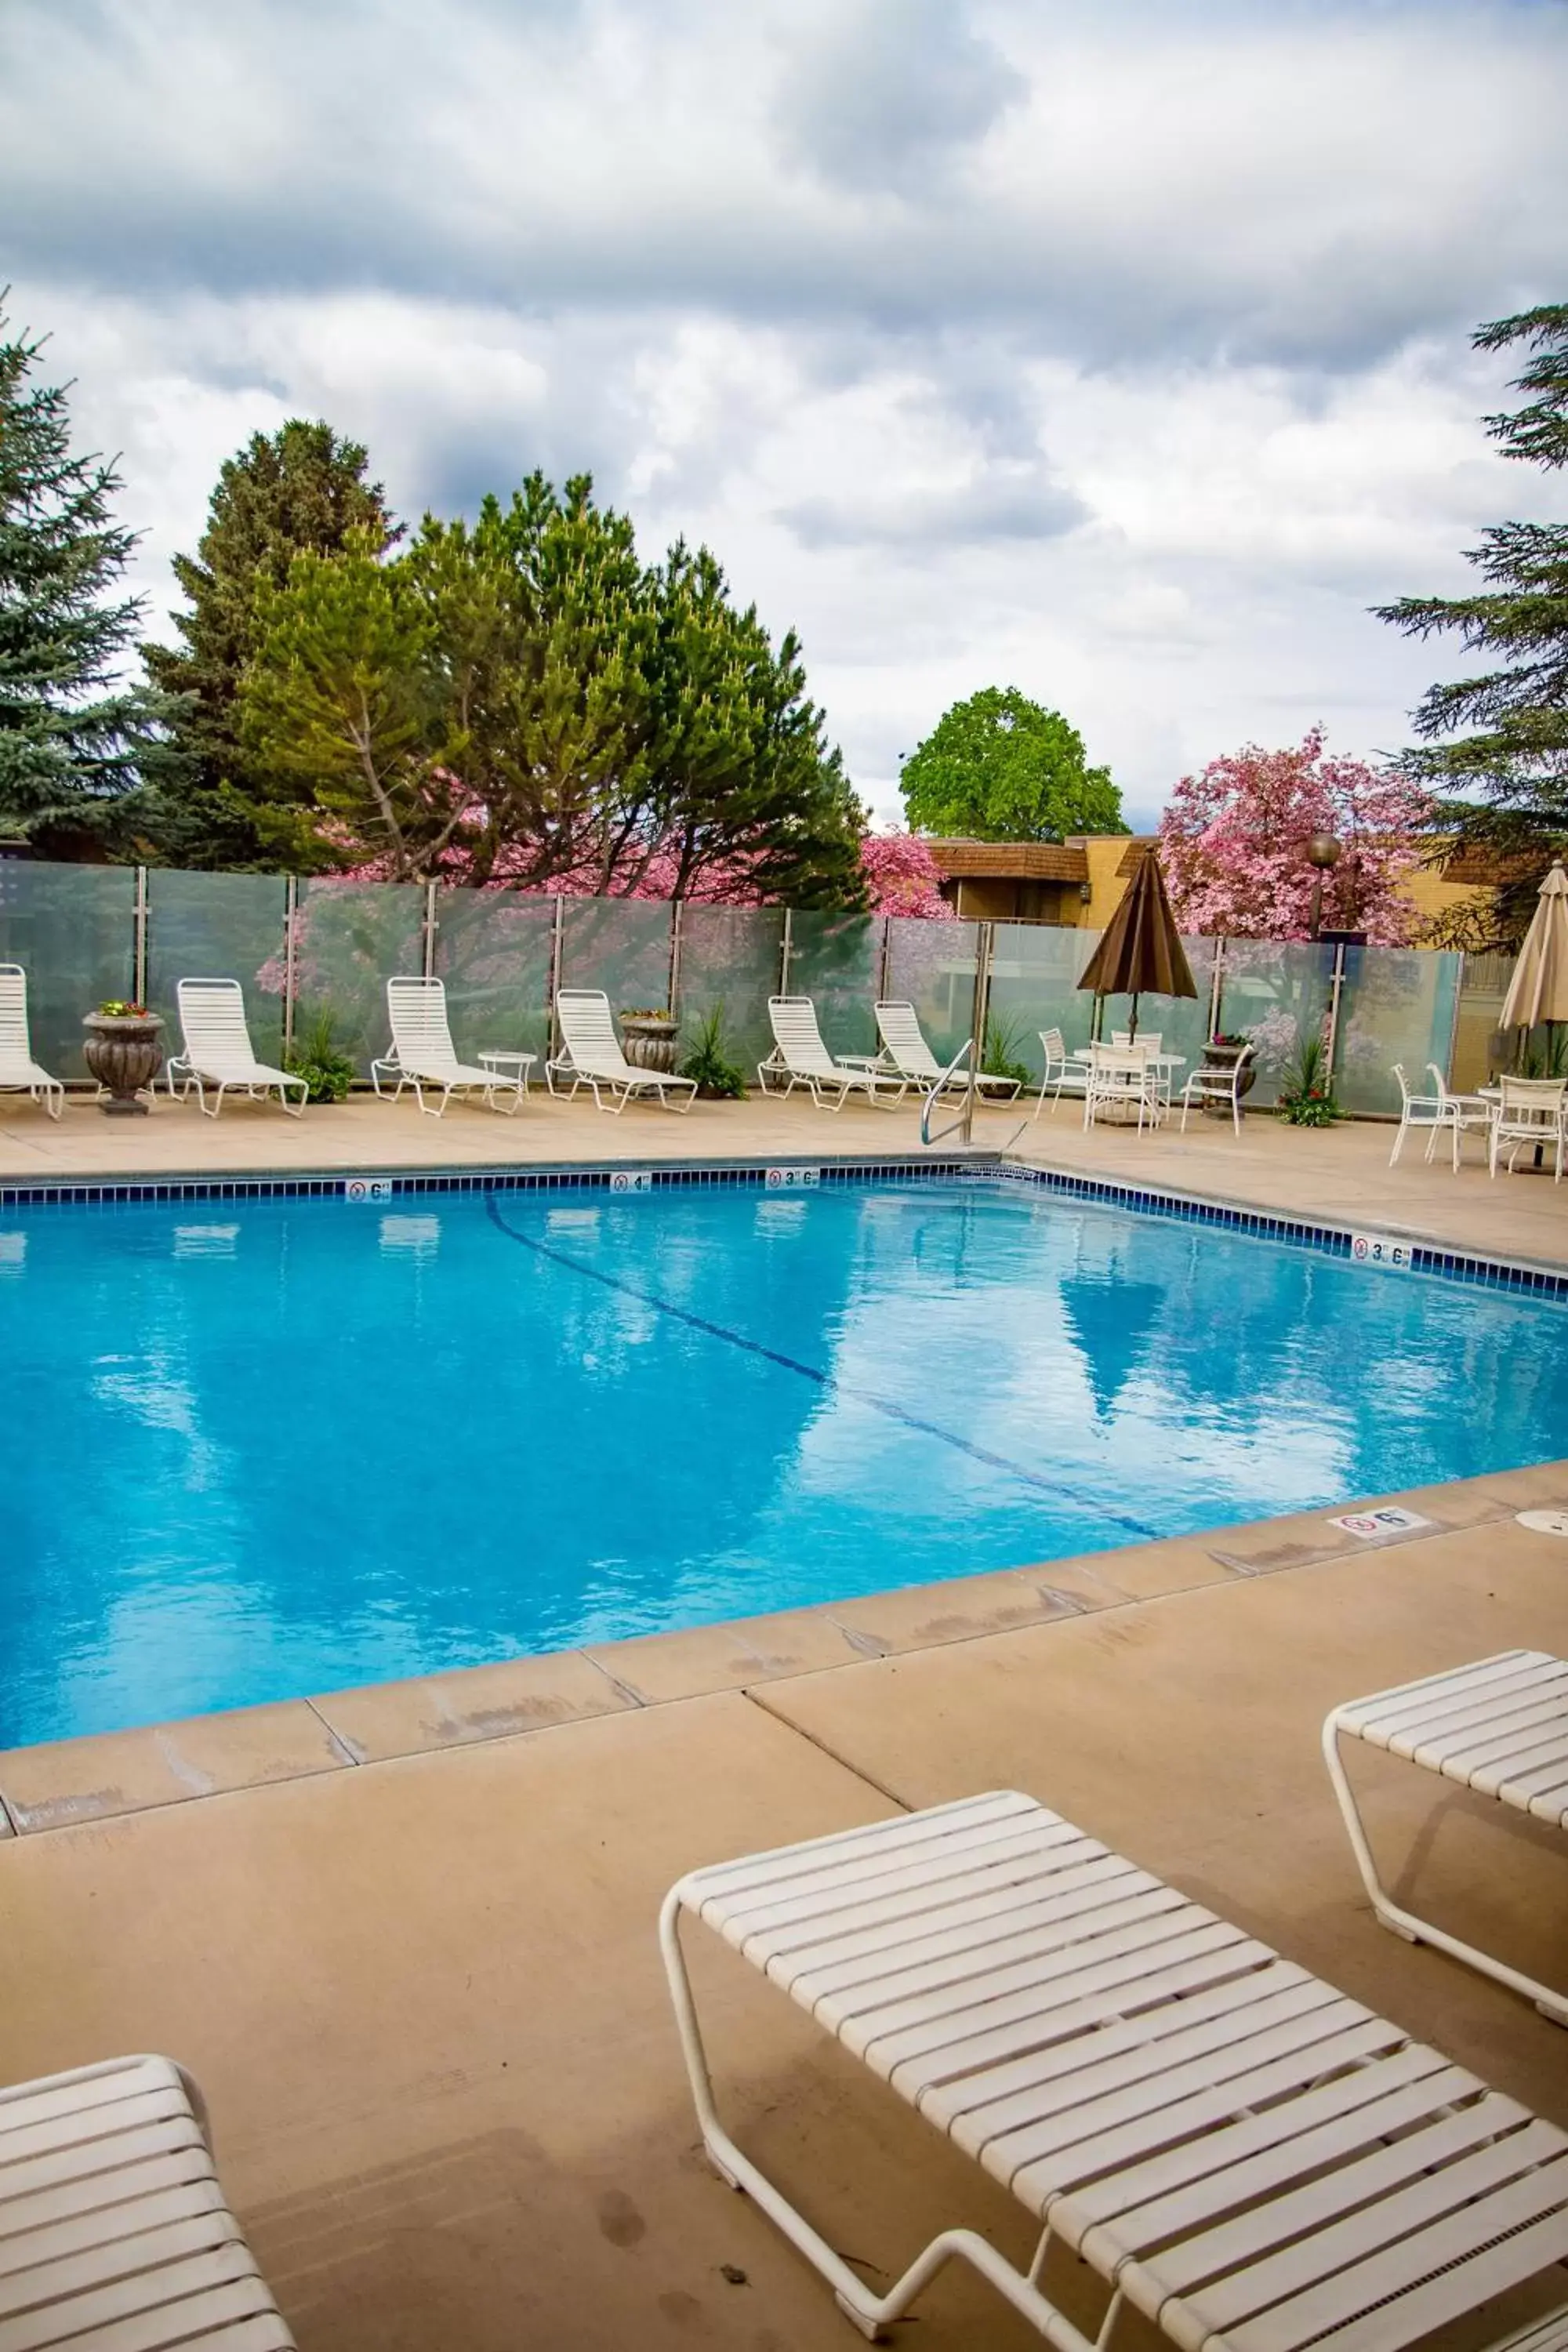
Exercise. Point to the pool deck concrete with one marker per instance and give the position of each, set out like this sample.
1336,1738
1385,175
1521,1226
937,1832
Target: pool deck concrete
1339,1174
403,1936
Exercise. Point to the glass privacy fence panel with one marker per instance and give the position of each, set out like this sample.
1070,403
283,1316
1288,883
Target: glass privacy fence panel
73,928
493,950
1034,986
219,927
350,939
619,945
1397,1004
729,964
1181,1023
1479,1046
1277,993
836,960
932,966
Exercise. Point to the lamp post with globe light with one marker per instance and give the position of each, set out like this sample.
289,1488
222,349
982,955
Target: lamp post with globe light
1323,853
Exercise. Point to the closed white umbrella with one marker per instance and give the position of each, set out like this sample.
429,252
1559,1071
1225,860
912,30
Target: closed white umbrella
1538,990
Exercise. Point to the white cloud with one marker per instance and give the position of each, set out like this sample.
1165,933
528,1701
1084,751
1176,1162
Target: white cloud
1109,349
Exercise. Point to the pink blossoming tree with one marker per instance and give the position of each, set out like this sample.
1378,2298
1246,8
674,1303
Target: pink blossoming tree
1233,845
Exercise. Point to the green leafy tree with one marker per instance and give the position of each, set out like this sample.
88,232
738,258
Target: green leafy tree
298,490
1002,768
1494,745
77,747
520,702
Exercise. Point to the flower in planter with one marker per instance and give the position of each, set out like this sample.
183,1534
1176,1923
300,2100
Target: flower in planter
114,1009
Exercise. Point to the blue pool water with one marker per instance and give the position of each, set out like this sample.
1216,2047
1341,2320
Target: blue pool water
262,1448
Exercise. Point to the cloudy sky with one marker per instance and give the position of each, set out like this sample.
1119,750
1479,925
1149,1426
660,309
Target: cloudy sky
1112,348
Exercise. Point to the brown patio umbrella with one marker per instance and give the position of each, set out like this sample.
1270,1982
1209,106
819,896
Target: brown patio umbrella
1142,951
1539,988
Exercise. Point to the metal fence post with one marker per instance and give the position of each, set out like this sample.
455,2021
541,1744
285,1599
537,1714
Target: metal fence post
984,943
139,943
1217,988
430,930
884,965
290,909
554,975
674,999
784,957
1332,1018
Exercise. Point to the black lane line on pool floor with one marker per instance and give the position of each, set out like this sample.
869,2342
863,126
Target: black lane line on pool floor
1055,1488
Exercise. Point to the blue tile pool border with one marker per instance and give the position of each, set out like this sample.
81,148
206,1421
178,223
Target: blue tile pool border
1425,1258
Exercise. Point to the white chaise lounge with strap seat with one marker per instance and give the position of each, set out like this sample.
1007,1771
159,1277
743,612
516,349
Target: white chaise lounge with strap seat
20,1074
1498,1726
801,1059
423,1053
218,1052
906,1054
590,1056
1249,2159
114,2234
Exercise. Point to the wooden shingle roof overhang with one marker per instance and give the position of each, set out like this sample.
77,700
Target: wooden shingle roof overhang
1010,861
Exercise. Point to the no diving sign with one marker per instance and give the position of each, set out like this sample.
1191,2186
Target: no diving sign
1392,1519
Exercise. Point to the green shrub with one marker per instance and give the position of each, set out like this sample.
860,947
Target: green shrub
1306,1096
707,1061
316,1059
1000,1058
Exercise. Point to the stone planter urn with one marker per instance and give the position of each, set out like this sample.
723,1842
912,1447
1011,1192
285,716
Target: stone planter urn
124,1051
647,1040
1218,1057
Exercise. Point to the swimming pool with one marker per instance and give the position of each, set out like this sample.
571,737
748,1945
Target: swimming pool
266,1447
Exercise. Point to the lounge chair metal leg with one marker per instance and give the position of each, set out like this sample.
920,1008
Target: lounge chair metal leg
1406,1924
870,2314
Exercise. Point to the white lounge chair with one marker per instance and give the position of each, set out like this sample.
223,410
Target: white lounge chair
591,1057
423,1053
906,1054
1499,1727
1249,2159
1210,1083
218,1051
801,1059
20,1074
113,2229
1529,1112
1063,1071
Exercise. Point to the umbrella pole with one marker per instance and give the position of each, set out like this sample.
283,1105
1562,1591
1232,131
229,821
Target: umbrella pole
1132,1019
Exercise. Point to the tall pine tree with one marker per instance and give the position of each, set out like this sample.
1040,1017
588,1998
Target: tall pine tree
300,490
76,744
1503,786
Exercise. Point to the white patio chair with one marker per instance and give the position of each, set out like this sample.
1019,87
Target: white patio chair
1123,1077
1424,1111
114,2232
1064,1072
1459,1113
906,1054
591,1057
423,1053
1246,2159
801,1059
1208,1084
1529,1112
1149,1037
20,1074
218,1051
